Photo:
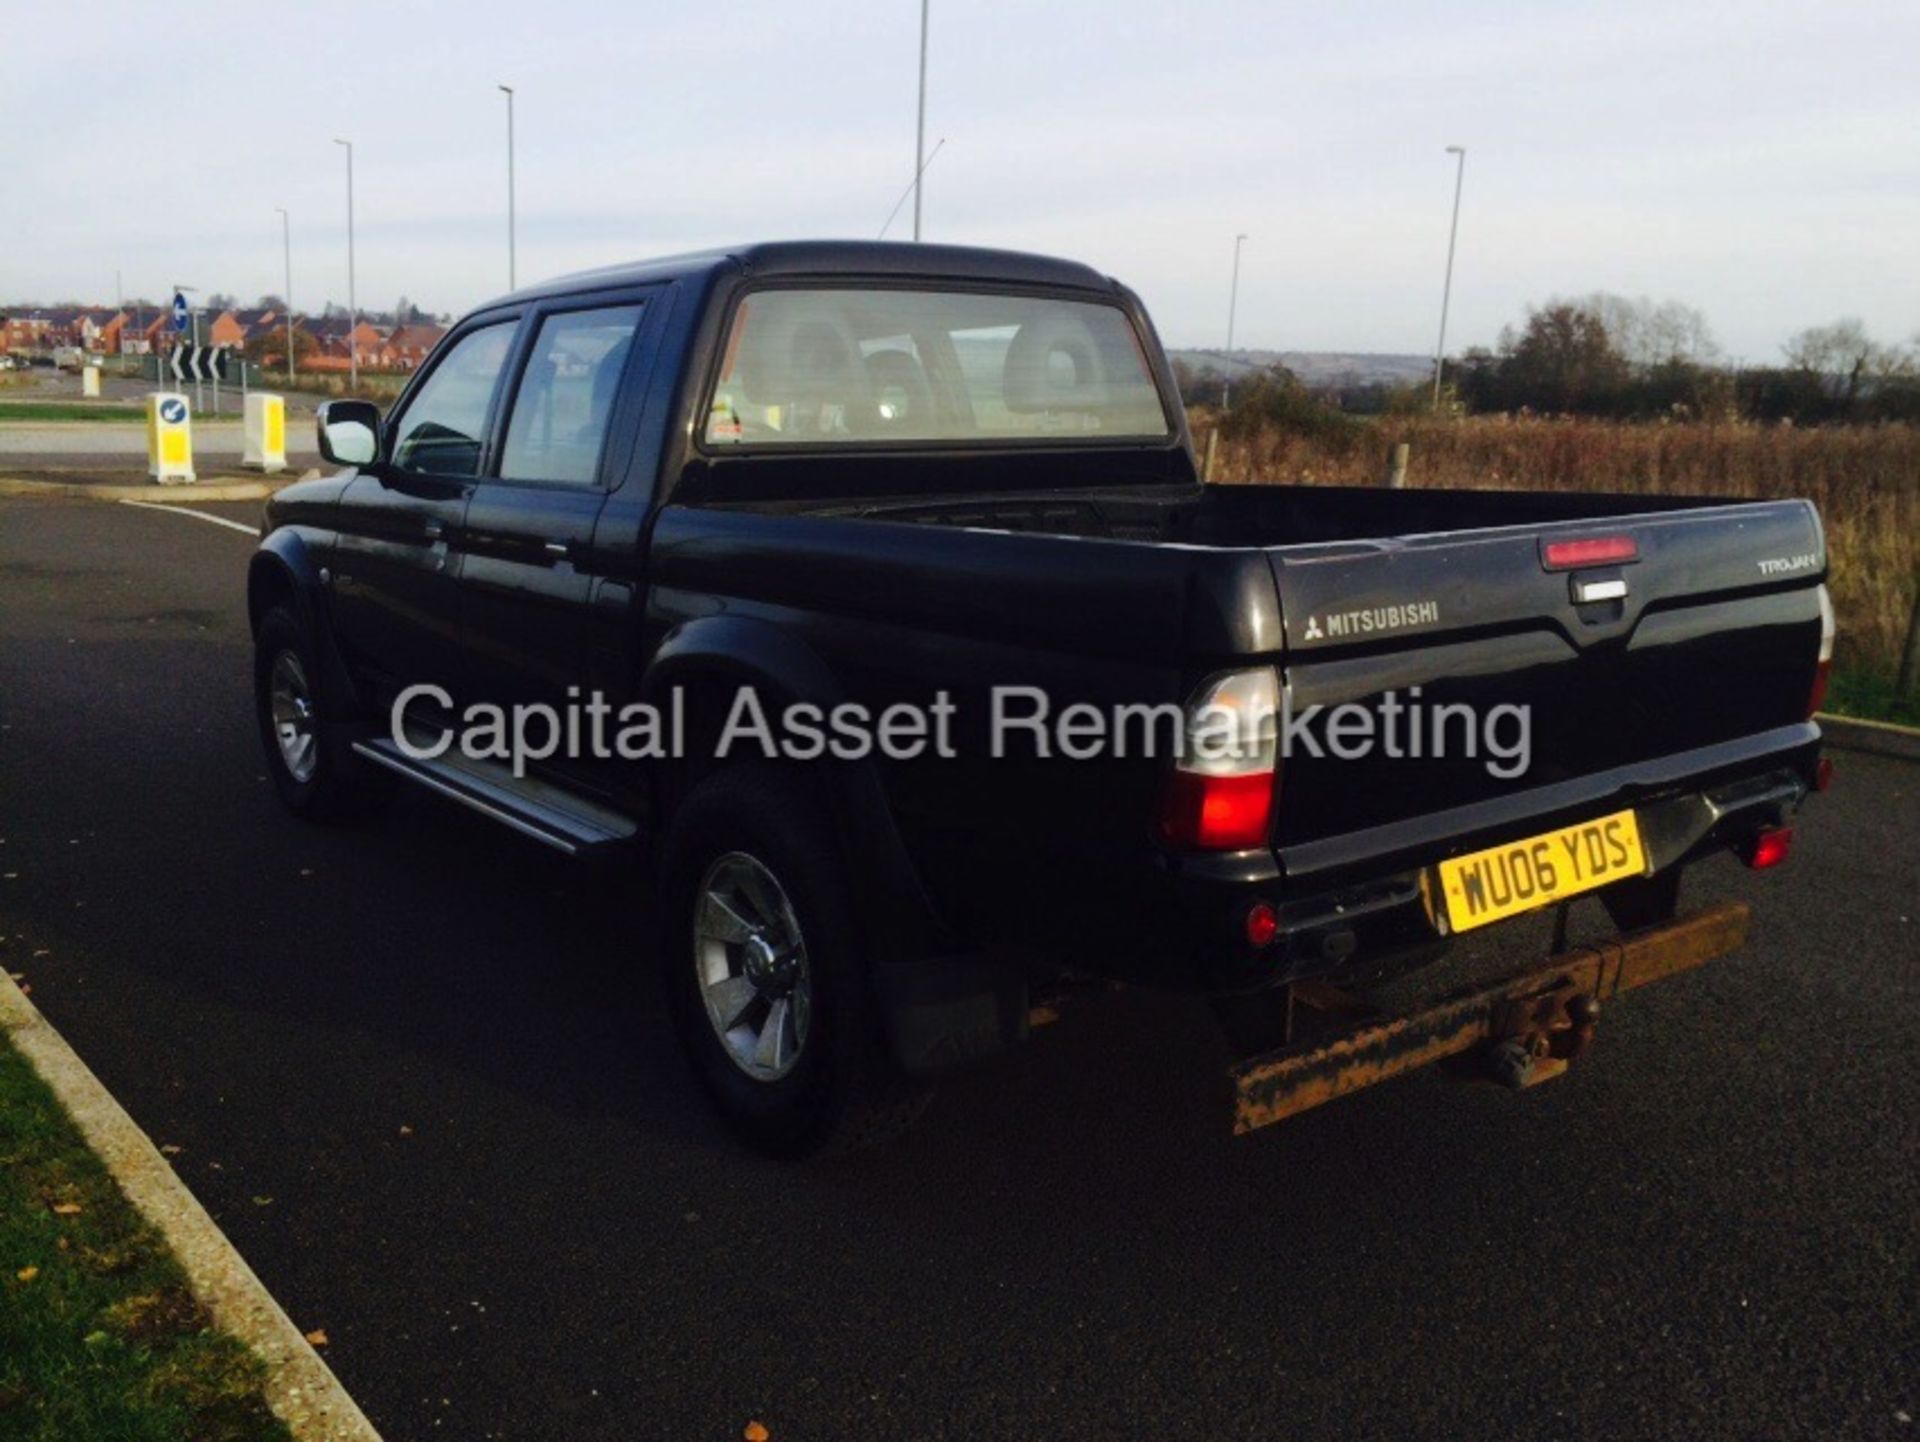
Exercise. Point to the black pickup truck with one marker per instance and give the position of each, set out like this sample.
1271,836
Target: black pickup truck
672,564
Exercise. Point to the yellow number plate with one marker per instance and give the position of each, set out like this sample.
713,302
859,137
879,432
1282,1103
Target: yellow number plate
1519,876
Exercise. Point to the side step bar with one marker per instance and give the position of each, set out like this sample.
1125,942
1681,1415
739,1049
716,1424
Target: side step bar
548,814
1538,1021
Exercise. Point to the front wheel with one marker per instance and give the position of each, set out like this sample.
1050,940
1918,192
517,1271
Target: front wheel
309,764
765,972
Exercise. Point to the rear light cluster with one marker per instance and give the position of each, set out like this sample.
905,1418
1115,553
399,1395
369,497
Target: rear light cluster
1818,696
1769,847
1220,793
1263,924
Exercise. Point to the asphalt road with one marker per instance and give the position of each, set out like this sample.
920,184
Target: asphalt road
420,1072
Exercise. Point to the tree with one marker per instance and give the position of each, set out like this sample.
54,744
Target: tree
1197,387
220,301
1676,332
272,302
1563,361
1273,396
267,347
1840,354
1647,333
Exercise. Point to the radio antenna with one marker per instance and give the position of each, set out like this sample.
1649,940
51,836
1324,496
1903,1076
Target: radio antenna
894,213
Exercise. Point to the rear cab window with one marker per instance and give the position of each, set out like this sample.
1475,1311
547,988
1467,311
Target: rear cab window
820,367
566,395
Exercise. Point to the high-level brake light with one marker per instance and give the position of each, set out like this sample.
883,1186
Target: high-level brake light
1589,551
1219,794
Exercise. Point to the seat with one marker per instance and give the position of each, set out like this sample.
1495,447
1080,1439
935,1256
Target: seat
902,395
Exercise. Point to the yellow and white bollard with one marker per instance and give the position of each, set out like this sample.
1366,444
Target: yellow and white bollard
90,382
266,432
169,438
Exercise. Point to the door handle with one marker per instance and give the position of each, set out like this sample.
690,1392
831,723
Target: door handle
435,529
561,549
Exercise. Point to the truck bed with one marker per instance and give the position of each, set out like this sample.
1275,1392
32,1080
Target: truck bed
1229,516
1699,675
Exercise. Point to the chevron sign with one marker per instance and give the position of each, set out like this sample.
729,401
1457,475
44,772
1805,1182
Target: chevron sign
199,362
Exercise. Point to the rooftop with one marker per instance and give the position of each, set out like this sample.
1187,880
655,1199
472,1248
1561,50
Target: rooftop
833,257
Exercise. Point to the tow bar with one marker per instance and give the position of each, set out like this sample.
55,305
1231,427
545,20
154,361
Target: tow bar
1535,1024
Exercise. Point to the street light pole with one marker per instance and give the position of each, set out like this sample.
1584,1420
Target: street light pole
1446,291
1233,305
511,282
353,304
920,126
286,242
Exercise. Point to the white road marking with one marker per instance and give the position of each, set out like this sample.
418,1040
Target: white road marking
197,515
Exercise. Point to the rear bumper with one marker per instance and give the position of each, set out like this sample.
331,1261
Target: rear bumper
1356,899
1322,932
1421,840
1544,1018
1189,933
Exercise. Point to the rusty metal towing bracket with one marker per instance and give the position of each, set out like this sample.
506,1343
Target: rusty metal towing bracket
1537,1022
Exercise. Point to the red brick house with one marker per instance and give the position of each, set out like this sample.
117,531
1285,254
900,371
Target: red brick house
224,329
409,345
158,332
25,331
56,326
331,332
110,333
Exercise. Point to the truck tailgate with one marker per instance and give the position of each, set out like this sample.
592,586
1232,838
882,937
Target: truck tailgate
1705,661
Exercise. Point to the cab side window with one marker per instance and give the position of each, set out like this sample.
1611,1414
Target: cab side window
566,397
443,431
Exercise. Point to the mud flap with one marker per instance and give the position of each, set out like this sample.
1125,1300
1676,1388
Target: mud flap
949,1012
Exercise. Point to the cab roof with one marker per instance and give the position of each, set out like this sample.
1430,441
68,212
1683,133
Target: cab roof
830,258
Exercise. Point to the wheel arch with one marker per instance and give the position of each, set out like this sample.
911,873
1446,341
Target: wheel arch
708,660
285,571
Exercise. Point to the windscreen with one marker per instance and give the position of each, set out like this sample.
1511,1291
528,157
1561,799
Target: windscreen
809,367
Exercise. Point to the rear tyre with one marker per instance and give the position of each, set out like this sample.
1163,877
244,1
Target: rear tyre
312,768
766,974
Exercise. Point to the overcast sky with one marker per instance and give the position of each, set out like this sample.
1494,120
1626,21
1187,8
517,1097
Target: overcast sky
1761,161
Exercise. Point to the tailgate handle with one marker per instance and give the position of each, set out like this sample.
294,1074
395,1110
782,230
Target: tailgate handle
1585,593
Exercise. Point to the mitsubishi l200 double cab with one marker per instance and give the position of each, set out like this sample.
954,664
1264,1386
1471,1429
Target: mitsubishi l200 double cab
829,490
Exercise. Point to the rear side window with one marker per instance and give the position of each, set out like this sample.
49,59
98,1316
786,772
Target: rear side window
566,397
829,367
442,432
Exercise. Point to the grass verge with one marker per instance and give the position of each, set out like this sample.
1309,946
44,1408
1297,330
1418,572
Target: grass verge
99,1335
67,411
1871,696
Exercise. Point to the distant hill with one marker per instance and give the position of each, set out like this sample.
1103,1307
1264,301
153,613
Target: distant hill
1318,369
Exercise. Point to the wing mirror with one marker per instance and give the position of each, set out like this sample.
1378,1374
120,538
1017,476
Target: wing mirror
349,432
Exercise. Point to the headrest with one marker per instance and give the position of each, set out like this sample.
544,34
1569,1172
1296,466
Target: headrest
798,360
606,375
1055,364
